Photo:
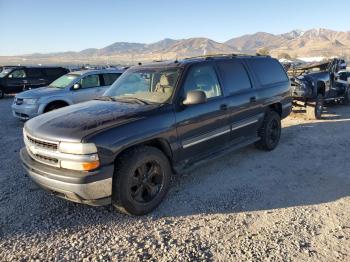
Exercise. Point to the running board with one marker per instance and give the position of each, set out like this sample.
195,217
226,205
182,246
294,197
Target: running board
216,154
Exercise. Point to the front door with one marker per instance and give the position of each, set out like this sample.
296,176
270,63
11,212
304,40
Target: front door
16,81
89,89
202,128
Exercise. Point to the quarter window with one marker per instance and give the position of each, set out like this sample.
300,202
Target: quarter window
234,76
203,78
268,71
90,81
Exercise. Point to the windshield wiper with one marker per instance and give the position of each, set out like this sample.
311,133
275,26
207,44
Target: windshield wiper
105,98
132,99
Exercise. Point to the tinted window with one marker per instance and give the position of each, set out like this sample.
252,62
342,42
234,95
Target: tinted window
20,73
110,78
203,78
90,81
54,71
343,76
268,71
234,76
34,72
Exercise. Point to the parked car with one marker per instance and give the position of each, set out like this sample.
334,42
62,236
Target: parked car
72,88
314,84
156,119
16,79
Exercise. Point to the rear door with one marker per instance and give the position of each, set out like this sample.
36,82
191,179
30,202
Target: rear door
89,90
202,128
243,107
16,81
35,78
271,82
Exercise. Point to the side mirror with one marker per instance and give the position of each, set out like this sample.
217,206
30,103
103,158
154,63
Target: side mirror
76,86
195,97
10,76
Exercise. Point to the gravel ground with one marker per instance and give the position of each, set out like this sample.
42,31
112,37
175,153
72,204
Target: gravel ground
292,204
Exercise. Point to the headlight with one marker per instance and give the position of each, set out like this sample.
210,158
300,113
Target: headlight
77,148
88,159
29,101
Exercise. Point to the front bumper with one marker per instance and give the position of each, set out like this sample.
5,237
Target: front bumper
92,188
25,112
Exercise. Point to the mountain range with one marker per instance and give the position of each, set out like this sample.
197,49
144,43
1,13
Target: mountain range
297,43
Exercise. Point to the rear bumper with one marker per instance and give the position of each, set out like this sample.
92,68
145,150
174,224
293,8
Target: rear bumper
24,112
92,188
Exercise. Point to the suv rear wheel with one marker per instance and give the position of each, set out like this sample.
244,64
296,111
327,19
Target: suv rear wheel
314,111
270,132
346,99
141,180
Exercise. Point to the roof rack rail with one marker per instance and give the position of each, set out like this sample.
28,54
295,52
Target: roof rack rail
218,55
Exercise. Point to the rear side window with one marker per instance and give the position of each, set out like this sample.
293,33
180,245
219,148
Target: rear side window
234,76
34,72
110,78
268,71
54,72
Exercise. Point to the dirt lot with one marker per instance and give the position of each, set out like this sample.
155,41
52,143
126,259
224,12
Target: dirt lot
292,204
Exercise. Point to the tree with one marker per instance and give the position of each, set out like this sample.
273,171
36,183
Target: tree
285,56
263,51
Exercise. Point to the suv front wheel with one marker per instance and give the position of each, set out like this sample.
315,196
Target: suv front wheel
141,180
315,110
270,131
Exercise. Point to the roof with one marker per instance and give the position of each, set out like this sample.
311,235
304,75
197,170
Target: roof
97,71
179,63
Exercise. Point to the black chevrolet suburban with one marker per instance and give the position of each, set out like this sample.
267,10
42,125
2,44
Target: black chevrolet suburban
18,78
156,120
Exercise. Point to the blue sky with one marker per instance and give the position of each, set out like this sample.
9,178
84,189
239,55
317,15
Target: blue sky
62,25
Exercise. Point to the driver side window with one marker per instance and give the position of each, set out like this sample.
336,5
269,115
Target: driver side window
203,78
90,81
20,73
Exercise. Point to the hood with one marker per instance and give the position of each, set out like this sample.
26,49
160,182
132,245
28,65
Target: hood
75,122
40,92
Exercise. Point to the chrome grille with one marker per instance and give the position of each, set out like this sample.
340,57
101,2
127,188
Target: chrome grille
42,144
41,150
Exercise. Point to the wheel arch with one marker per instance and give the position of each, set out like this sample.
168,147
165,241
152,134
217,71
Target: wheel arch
277,107
160,143
55,101
321,87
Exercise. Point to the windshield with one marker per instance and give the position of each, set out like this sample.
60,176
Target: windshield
64,81
151,85
4,73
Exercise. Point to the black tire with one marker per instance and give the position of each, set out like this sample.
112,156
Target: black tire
2,94
138,172
54,106
346,100
270,132
314,111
